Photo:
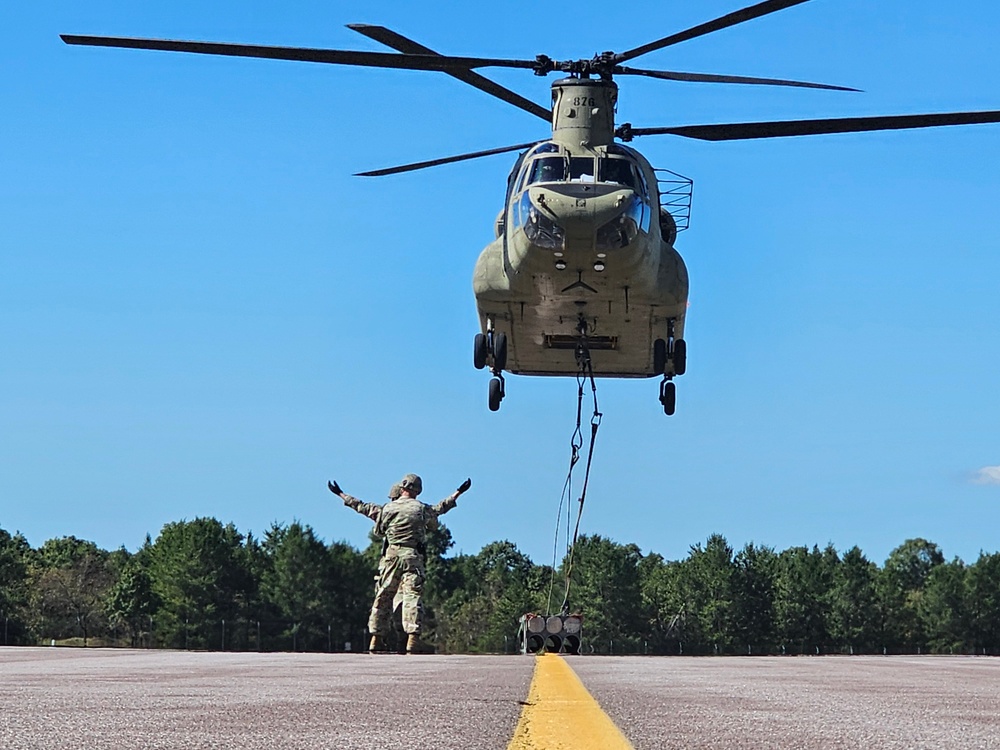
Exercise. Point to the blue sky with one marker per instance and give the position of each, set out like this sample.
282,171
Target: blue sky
203,314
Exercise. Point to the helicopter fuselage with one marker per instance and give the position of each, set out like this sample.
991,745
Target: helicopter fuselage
583,251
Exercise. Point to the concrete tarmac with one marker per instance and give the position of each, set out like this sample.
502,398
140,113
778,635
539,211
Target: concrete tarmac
56,698
758,703
110,699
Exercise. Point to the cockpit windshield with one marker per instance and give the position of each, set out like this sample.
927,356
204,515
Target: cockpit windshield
554,169
606,169
547,169
617,170
581,169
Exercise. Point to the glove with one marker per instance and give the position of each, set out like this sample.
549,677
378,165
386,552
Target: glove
464,487
334,487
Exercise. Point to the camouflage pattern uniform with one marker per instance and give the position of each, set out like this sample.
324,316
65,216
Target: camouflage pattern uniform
403,524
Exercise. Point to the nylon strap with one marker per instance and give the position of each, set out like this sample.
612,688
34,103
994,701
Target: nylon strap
585,373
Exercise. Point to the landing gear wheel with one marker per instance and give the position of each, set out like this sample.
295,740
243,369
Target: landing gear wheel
680,357
499,351
479,354
668,397
659,356
496,394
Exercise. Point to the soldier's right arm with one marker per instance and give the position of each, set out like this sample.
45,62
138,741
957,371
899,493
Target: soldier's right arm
371,510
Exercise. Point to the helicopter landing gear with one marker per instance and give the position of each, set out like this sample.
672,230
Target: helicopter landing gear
680,356
481,350
669,360
491,348
668,397
496,393
499,351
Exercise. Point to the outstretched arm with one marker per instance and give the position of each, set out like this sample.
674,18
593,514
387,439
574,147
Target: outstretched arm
452,500
366,509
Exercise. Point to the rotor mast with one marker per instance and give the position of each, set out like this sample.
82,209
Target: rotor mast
583,112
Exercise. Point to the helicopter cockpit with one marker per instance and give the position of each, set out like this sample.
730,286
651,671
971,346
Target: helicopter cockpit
548,163
582,177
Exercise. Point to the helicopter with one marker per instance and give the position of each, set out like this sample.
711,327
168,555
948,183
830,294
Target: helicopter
582,277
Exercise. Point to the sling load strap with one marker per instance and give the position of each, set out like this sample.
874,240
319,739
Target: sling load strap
576,442
585,373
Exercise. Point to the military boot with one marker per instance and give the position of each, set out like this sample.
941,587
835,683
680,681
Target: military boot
375,644
416,646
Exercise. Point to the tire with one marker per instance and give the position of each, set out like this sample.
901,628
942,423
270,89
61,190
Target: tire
680,357
668,397
496,394
499,351
479,354
659,356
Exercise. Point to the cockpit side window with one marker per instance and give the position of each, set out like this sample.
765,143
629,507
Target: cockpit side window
518,165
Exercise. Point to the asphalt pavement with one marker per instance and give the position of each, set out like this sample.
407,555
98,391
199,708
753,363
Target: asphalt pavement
104,699
60,698
802,702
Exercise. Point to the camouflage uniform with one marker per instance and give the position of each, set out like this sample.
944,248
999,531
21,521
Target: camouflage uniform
403,525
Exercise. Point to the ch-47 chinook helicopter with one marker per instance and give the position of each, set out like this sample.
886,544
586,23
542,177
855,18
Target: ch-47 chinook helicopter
583,276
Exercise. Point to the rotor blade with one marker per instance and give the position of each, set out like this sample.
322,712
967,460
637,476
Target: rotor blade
711,78
332,56
723,22
399,42
748,130
445,160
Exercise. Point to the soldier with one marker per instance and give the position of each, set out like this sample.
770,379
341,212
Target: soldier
403,524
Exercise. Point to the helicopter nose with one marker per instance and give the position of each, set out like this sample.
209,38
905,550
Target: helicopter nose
544,229
623,228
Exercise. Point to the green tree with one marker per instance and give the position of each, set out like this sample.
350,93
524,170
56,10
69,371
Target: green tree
943,608
131,602
901,585
663,603
500,585
297,581
199,571
350,593
853,603
984,603
708,580
802,597
14,554
70,580
754,582
605,590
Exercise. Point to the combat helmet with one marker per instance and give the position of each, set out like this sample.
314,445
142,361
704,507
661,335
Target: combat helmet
395,491
412,483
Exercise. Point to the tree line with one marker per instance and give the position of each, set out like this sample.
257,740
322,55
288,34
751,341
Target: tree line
204,585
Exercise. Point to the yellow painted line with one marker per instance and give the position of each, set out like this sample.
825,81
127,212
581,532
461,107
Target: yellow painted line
560,714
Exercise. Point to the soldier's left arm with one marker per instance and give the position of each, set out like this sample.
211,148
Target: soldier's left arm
452,500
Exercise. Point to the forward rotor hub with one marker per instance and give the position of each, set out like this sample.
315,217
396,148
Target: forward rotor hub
603,65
